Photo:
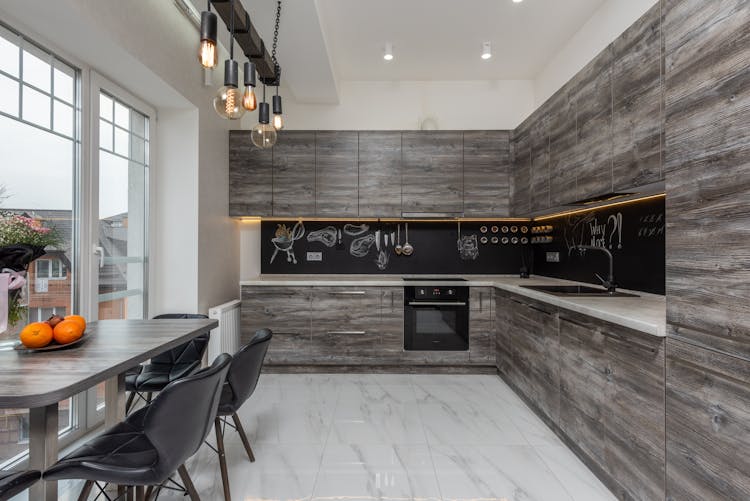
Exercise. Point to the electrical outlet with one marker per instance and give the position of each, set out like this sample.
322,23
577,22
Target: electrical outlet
314,256
553,257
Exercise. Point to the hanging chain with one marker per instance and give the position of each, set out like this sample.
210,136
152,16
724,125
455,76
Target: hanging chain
276,33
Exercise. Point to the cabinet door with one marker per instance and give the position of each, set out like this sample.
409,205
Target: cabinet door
345,324
294,174
539,199
286,311
520,181
250,176
336,182
432,171
535,348
503,335
379,174
481,333
392,324
487,173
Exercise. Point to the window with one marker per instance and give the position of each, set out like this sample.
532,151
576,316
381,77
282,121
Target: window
50,268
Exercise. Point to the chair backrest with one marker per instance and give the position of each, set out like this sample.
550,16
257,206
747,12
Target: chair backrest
246,366
180,417
187,353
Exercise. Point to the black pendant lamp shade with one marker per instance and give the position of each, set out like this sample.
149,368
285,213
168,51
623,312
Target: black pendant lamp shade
249,70
231,73
276,104
263,113
208,26
208,53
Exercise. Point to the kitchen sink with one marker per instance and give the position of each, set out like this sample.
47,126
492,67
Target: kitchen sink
577,290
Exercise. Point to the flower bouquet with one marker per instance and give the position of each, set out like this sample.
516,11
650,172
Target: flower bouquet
22,240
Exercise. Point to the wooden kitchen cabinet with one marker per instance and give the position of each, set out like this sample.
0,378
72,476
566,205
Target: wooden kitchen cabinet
481,325
503,336
284,310
379,174
562,147
294,174
487,166
392,324
250,177
432,180
336,174
540,166
520,180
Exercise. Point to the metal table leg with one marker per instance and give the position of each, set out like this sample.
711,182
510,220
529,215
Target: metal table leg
114,409
43,449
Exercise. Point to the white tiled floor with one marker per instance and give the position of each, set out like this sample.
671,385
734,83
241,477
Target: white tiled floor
398,437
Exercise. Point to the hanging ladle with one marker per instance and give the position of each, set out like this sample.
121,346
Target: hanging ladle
407,250
398,249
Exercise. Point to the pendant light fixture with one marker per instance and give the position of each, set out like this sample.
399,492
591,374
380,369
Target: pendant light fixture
249,101
278,120
228,99
263,135
207,53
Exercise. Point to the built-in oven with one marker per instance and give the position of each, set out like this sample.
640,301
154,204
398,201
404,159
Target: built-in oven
436,317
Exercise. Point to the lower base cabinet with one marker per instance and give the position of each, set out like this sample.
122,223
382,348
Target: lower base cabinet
599,385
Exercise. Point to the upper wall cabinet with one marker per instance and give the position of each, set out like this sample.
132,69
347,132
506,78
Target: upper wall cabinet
486,173
336,180
380,174
432,172
250,177
294,174
520,182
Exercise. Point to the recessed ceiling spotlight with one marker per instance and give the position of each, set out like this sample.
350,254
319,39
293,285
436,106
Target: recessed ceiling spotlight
388,52
486,50
517,1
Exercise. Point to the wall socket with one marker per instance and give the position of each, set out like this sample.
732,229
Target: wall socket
314,256
552,257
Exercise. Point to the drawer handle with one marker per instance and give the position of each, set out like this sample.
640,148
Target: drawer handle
348,293
436,303
348,333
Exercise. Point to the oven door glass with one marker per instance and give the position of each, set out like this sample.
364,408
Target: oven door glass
436,328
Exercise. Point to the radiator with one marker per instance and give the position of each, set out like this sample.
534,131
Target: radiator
226,337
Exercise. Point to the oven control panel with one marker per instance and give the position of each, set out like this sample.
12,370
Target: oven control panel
437,293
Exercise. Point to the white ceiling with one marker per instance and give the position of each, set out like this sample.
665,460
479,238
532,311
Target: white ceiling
442,39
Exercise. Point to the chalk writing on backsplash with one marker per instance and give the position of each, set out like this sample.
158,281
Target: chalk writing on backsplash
651,225
607,233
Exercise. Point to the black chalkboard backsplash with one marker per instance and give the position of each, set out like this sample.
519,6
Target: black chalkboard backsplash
632,232
316,248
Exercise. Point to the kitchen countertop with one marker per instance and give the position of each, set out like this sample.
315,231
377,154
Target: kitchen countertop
646,313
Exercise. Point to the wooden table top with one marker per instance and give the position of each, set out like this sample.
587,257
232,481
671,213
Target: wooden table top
37,379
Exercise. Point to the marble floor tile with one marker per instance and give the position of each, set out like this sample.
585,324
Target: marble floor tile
359,421
467,424
577,479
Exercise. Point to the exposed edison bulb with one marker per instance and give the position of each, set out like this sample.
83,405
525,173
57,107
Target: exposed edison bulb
228,103
263,135
208,55
249,101
278,122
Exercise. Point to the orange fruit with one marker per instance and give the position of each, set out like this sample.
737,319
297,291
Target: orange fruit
36,335
67,331
78,318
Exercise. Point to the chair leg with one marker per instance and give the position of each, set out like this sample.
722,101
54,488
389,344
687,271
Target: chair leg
139,493
188,483
129,402
149,491
243,436
129,493
222,459
84,495
148,397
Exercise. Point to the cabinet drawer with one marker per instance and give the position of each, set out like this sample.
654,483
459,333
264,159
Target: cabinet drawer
345,309
481,300
285,311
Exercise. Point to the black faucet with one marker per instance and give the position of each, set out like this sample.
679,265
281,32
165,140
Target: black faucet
609,283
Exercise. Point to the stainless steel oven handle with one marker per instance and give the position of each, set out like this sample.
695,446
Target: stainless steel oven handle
347,293
436,303
347,333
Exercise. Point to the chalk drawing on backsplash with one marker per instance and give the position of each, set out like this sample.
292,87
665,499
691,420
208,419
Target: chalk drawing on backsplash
468,247
360,247
354,230
327,236
284,239
587,229
382,260
651,225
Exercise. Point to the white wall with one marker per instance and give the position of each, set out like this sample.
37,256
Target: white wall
149,48
607,23
403,105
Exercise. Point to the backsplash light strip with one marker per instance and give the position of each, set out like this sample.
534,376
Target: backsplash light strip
598,207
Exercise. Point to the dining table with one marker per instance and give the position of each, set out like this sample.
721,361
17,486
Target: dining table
38,380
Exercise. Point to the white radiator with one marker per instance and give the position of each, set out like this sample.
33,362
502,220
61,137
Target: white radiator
226,337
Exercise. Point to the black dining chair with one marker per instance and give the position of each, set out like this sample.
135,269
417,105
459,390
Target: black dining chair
15,482
241,381
166,367
153,442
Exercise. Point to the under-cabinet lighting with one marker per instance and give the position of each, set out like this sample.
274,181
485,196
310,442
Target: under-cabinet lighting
605,206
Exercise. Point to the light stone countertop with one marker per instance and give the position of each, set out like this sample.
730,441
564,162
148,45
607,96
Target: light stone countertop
646,313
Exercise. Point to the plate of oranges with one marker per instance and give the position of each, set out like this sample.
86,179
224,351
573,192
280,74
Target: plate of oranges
53,334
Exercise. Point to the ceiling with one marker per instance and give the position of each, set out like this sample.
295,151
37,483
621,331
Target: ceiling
322,42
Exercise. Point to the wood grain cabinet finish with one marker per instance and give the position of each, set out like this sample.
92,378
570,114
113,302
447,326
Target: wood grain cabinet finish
707,166
294,174
336,173
481,325
432,172
284,310
563,158
637,97
486,166
379,174
250,177
392,324
520,181
540,164
345,324
503,335
708,424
